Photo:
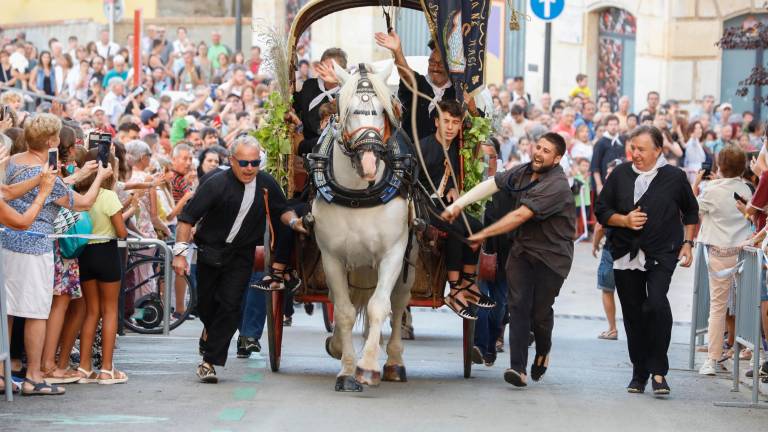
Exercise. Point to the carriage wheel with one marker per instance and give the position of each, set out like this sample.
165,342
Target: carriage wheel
469,343
275,328
328,317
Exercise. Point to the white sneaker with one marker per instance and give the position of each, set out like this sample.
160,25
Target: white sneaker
708,368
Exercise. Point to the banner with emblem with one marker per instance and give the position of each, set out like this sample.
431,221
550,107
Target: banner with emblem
460,28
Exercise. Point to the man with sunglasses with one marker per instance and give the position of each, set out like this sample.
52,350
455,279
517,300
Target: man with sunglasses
230,212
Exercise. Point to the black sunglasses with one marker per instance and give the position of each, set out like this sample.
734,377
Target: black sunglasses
244,163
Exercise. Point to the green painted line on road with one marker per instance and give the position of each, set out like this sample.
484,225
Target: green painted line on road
253,378
245,393
231,414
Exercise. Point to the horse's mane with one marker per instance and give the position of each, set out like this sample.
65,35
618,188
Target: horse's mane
379,87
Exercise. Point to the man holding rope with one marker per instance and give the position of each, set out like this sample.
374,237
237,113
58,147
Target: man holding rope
542,226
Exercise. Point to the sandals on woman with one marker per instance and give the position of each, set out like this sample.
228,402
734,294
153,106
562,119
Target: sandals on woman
115,377
87,377
69,377
460,308
483,301
41,389
609,335
276,280
15,384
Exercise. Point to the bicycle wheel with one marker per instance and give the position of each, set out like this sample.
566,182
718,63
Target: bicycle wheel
144,287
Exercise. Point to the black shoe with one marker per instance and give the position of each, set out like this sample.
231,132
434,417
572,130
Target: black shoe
287,321
252,345
637,385
309,308
242,351
763,371
660,388
539,366
515,378
206,373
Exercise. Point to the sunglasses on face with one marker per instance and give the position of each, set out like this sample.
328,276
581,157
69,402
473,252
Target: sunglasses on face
244,163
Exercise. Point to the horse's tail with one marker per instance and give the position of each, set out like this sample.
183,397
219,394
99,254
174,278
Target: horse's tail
362,285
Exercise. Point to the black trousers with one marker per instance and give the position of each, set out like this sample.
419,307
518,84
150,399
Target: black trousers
533,288
219,297
647,318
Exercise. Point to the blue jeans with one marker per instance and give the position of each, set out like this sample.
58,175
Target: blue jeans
254,311
489,321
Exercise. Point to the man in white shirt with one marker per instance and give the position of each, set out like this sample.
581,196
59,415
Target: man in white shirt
114,102
105,47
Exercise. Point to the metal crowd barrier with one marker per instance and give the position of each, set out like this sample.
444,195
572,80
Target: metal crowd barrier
748,324
700,309
33,95
168,276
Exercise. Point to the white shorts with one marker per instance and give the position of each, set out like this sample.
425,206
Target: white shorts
28,284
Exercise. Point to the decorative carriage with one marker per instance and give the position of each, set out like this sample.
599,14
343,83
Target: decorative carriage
429,286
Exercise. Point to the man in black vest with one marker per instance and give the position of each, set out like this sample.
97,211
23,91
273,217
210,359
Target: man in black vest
317,91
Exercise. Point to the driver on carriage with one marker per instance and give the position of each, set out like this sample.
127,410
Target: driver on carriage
461,260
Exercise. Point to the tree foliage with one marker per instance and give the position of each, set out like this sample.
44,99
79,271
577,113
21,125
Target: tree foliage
752,36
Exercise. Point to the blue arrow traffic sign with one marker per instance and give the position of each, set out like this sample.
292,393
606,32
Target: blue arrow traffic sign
547,9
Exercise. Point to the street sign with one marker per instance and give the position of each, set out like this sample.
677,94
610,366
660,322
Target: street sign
547,10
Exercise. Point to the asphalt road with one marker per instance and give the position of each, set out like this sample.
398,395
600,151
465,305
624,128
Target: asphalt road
582,391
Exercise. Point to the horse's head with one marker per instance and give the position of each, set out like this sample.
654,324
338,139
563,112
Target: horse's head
366,117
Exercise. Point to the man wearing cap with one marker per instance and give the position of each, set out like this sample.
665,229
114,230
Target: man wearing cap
435,84
149,122
724,112
100,121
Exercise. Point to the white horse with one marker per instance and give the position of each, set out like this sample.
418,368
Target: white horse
363,247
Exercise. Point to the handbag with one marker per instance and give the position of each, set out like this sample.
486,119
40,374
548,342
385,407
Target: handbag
211,256
65,220
487,266
72,247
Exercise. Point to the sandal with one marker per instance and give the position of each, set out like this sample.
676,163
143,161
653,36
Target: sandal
69,377
609,335
457,306
278,277
87,377
483,301
120,379
41,389
15,384
539,366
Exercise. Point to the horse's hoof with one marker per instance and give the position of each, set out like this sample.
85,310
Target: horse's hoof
337,356
348,384
368,377
394,373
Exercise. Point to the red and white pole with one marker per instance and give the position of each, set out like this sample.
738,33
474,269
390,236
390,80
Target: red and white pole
137,37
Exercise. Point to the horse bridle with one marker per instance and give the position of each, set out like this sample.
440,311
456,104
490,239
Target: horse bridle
369,138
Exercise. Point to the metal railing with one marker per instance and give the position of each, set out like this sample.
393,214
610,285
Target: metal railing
748,334
700,307
168,276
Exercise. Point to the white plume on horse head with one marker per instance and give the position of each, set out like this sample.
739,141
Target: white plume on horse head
341,73
384,72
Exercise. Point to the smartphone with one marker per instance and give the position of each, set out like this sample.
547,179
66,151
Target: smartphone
104,149
739,198
53,159
707,167
93,140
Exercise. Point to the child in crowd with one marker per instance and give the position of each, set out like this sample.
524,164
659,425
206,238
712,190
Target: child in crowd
605,281
100,276
582,88
179,123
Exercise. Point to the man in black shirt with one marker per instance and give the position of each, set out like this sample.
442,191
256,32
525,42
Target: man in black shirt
608,148
542,225
653,214
317,91
230,214
460,259
436,85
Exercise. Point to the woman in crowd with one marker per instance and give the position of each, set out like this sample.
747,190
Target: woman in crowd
205,65
42,79
723,230
646,243
28,261
209,160
100,275
695,155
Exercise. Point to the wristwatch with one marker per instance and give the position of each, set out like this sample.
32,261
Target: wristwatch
690,242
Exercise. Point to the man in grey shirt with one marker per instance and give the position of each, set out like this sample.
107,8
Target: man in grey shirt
542,226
